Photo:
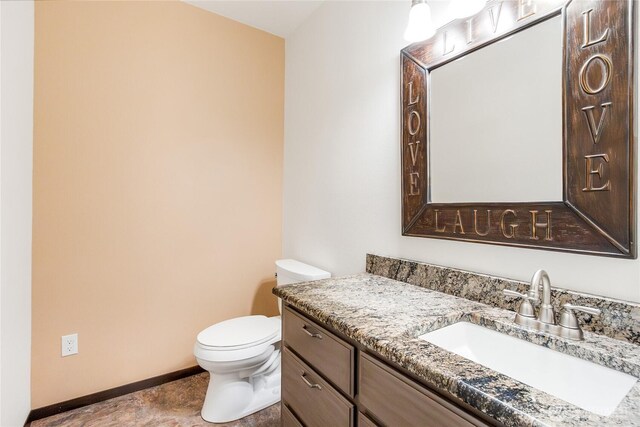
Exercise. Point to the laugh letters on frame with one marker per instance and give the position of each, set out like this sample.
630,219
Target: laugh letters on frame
597,214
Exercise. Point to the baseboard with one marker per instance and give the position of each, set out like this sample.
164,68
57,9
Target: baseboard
79,402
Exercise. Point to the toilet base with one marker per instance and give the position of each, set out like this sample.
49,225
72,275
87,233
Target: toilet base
230,398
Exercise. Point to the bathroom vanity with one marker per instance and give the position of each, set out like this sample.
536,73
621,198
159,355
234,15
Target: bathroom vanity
385,393
352,353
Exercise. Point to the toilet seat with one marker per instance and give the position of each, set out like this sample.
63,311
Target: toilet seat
239,333
238,339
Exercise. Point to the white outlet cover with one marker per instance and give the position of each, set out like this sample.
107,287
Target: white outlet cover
69,345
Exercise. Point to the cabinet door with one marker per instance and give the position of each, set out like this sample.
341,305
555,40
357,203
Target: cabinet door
364,421
396,400
315,401
327,353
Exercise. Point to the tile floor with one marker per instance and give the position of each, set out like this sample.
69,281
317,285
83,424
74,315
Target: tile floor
174,404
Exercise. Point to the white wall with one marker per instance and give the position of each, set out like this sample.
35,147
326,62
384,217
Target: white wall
342,160
16,141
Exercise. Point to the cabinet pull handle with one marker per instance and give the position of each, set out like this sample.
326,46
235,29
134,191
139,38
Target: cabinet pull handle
306,381
311,334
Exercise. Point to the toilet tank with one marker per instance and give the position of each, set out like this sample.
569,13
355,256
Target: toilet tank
292,271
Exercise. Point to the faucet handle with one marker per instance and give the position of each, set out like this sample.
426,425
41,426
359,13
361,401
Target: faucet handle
568,317
525,309
510,293
590,310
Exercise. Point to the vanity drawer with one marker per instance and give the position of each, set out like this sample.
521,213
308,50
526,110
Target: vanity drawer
320,348
288,419
396,400
315,401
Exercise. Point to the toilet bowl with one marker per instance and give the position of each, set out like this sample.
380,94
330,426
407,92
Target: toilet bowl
242,356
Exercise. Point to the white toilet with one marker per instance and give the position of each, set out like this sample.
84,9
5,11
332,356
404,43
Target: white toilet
242,355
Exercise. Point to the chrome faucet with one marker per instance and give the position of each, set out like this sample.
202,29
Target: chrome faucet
546,314
546,319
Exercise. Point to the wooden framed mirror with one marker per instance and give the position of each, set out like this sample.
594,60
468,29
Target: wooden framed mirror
590,169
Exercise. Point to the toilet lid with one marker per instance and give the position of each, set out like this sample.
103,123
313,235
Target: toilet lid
239,332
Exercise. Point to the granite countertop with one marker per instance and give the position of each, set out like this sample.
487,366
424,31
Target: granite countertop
386,316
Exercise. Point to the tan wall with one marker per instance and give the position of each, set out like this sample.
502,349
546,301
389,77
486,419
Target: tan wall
157,186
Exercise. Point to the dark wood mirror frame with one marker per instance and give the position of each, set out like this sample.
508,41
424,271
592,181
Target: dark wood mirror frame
597,215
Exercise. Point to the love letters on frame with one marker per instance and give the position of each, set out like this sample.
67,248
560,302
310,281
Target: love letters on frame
597,215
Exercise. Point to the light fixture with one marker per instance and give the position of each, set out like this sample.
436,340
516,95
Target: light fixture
420,26
463,8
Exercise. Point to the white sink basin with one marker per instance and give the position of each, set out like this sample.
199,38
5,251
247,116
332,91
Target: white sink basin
592,387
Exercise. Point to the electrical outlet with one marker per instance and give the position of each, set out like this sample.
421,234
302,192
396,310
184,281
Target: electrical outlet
69,345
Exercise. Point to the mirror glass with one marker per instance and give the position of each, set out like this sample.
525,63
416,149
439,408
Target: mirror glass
496,115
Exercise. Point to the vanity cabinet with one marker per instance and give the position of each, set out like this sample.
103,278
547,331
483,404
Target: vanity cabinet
314,400
328,354
364,421
318,374
329,381
396,400
288,419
